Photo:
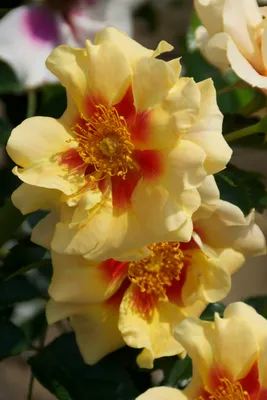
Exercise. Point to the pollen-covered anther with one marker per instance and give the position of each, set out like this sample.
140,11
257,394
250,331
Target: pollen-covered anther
105,142
227,390
157,271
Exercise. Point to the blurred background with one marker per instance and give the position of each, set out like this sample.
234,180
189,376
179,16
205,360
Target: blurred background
28,33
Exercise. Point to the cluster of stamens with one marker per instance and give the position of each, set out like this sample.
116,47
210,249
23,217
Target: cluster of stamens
157,271
104,142
227,390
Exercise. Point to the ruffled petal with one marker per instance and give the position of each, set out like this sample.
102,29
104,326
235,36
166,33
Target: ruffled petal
77,280
213,48
154,334
196,337
92,324
38,145
243,68
162,393
107,84
235,346
207,131
229,228
28,35
69,66
257,322
28,198
209,195
184,167
206,279
152,81
133,50
210,12
43,232
159,212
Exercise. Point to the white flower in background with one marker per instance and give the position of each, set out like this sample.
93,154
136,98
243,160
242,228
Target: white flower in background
29,33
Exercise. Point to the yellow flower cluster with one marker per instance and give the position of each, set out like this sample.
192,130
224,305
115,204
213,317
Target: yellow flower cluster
139,237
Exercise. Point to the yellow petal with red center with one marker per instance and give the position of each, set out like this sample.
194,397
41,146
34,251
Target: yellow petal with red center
92,325
229,228
78,280
209,194
43,232
163,393
235,346
28,198
196,337
69,65
207,279
160,213
207,130
154,333
133,50
38,145
107,84
152,81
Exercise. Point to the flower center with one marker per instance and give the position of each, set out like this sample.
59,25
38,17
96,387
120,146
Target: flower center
227,391
104,142
156,272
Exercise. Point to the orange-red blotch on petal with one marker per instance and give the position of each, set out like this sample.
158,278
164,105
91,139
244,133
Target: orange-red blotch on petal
262,394
140,129
113,270
150,163
143,303
250,383
126,106
174,292
122,189
116,299
72,160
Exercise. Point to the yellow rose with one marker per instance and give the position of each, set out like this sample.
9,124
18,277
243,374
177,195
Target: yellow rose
229,357
140,301
123,164
235,35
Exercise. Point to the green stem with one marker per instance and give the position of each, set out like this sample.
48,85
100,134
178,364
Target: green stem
244,132
236,85
32,102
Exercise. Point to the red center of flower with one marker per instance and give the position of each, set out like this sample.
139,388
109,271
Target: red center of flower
155,273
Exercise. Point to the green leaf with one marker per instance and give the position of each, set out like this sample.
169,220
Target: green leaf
8,80
12,338
180,373
10,219
59,365
208,313
53,101
22,258
17,290
259,303
242,188
5,130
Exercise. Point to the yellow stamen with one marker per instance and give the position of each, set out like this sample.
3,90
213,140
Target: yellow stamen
157,271
104,142
227,390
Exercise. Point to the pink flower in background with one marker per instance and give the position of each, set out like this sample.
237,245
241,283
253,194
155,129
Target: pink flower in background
29,33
